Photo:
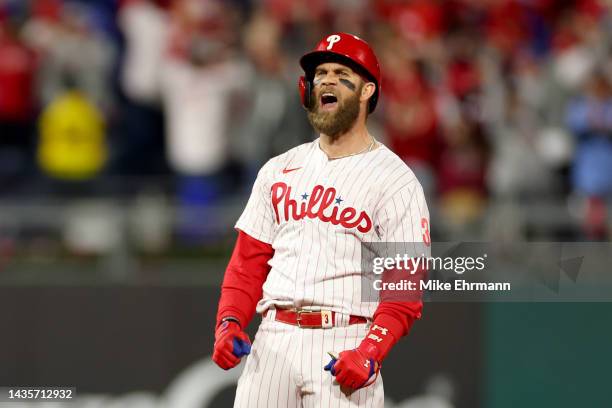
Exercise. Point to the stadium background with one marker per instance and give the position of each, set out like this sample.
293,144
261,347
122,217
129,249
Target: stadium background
131,131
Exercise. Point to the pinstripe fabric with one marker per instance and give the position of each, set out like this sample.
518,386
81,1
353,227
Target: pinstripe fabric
315,213
285,369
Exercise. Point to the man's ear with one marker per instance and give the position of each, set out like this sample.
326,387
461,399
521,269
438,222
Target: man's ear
368,89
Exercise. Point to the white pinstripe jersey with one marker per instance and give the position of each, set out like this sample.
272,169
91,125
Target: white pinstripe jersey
316,212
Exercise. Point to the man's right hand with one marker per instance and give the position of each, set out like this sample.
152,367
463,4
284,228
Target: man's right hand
231,343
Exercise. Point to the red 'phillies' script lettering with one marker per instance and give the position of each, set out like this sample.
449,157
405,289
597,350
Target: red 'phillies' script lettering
320,199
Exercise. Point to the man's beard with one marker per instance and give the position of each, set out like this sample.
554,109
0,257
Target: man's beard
338,122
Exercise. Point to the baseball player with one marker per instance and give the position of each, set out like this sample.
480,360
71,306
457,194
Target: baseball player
297,259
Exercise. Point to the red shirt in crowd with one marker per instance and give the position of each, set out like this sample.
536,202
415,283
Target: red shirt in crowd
17,70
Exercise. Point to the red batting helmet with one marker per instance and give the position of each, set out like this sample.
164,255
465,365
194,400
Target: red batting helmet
346,49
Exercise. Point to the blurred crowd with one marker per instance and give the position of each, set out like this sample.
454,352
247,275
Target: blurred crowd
486,100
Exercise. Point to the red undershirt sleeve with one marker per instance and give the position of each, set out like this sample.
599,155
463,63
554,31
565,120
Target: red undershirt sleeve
395,314
398,317
244,277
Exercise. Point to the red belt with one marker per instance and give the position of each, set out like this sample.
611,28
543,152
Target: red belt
312,319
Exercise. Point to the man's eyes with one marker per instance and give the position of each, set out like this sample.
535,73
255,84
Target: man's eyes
341,73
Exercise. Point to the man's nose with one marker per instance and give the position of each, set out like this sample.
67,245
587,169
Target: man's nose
329,80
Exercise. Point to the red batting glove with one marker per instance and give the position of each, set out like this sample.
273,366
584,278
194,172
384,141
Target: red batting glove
231,343
354,368
359,367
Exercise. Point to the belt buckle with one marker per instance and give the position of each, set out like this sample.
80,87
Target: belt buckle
298,317
326,319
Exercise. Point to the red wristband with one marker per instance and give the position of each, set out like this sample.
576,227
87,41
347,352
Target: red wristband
378,342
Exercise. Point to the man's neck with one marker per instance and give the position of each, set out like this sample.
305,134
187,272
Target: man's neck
356,140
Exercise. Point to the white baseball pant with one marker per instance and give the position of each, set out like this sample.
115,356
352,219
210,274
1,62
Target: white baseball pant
285,368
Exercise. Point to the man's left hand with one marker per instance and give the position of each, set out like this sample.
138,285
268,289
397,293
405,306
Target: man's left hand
355,368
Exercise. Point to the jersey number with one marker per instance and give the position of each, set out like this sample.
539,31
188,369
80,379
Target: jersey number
425,228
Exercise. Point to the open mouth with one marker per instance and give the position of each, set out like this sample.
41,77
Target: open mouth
328,100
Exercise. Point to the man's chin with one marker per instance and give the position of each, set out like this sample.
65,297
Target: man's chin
328,127
322,119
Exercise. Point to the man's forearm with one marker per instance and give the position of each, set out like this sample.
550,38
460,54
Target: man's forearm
244,277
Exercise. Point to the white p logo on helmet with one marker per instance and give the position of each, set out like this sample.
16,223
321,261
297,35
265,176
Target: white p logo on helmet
331,40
